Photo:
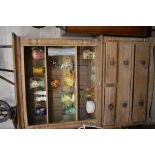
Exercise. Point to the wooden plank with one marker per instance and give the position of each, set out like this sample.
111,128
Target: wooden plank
58,42
110,30
46,87
124,99
24,107
76,84
68,125
140,81
98,81
131,39
151,85
111,62
109,110
18,80
103,79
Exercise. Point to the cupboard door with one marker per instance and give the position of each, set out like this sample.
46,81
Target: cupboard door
111,62
140,81
124,82
109,114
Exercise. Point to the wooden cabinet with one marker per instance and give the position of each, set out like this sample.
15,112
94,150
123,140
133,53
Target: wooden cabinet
125,81
54,80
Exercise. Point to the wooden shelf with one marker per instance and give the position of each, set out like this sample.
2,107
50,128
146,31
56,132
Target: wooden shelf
132,31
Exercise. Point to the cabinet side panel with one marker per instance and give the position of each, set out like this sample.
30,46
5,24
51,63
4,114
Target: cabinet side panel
140,81
18,79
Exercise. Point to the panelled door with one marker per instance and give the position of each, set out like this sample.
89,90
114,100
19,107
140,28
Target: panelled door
123,102
125,81
140,81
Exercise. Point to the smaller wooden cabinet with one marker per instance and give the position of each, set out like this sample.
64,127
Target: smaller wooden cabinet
55,78
125,74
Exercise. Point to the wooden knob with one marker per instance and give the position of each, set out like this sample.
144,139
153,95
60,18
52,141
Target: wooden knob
112,62
141,103
110,106
143,62
124,105
125,62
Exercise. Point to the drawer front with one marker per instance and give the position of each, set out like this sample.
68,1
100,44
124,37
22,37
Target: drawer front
140,81
124,82
111,62
109,113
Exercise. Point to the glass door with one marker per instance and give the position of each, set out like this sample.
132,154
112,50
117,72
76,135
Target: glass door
35,84
62,84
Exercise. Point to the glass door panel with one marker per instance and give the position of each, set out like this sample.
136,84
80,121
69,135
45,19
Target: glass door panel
35,78
62,84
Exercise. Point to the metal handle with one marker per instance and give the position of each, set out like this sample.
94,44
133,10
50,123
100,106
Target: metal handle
125,62
124,105
141,103
143,62
110,106
112,62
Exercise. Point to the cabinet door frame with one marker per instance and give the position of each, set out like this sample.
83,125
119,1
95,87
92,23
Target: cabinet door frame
96,43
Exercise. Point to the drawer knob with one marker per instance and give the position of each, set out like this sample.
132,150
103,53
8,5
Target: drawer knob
143,62
110,106
125,62
141,103
124,105
112,62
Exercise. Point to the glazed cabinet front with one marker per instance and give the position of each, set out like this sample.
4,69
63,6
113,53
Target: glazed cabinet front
59,82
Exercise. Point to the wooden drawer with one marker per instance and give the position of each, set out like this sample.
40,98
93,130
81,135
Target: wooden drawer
111,62
109,113
140,81
124,82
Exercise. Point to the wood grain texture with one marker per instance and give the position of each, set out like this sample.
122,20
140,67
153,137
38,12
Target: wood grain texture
72,125
109,110
140,81
46,79
111,62
124,82
58,42
23,73
18,80
151,84
99,79
111,30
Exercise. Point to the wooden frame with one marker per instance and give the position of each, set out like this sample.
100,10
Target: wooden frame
19,44
132,41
